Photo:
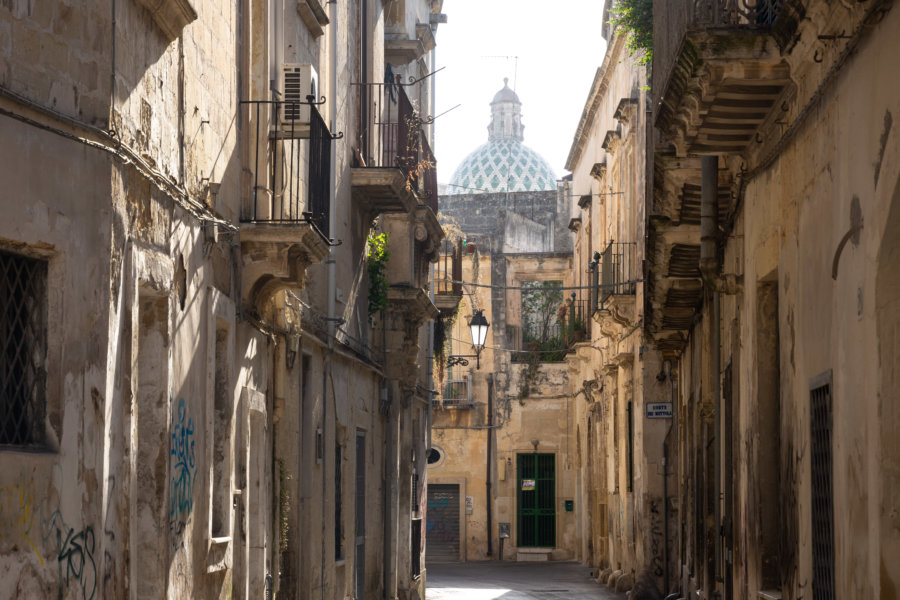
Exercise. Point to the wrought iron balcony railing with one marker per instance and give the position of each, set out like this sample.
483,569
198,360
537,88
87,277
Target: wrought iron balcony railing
614,272
448,271
290,175
674,18
457,393
391,135
736,12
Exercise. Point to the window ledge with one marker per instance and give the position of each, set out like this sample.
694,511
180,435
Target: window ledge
769,595
313,16
171,15
218,556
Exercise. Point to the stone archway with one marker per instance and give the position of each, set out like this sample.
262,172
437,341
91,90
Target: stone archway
887,315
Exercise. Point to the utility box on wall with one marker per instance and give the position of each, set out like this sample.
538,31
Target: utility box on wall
570,505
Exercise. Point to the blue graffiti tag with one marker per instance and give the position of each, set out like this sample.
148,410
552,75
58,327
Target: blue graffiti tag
184,467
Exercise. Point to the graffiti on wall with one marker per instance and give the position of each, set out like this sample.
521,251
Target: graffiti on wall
17,513
657,539
74,555
442,525
184,466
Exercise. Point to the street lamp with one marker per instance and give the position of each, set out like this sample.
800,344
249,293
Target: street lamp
478,327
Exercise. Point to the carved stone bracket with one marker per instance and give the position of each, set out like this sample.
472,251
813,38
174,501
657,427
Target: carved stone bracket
598,171
276,257
626,110
617,316
408,309
612,140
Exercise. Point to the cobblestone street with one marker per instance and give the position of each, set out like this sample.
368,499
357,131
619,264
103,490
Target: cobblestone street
514,581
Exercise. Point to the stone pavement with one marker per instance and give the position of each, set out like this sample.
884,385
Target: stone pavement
508,580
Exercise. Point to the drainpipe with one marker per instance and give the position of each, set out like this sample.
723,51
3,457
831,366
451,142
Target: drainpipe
709,268
332,281
487,476
667,369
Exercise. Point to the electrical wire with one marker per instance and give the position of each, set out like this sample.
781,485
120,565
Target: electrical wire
543,288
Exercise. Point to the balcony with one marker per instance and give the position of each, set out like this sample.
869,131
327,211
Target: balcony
448,277
674,290
457,393
286,205
394,168
614,276
718,74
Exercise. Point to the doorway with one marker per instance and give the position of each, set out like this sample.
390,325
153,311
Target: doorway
536,504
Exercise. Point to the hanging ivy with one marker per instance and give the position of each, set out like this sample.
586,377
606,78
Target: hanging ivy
636,18
443,327
376,265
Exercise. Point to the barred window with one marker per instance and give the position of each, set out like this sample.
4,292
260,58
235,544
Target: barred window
23,349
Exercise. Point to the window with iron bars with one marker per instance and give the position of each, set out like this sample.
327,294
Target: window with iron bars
23,349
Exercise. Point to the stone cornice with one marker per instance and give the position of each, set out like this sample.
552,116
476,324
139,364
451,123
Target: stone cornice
594,99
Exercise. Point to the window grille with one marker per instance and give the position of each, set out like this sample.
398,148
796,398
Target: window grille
23,349
822,488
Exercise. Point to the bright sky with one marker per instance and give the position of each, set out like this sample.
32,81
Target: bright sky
559,48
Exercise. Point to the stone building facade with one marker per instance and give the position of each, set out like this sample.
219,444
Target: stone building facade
766,210
501,483
777,169
197,401
511,405
615,379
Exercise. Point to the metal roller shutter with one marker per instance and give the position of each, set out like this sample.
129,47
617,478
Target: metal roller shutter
442,524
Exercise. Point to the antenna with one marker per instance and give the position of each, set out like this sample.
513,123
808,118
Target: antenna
515,66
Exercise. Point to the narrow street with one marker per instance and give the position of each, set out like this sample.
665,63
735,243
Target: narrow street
494,580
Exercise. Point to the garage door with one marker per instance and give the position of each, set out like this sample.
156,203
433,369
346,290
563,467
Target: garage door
442,524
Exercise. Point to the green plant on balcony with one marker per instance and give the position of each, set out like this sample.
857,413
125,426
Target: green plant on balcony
422,162
376,266
635,17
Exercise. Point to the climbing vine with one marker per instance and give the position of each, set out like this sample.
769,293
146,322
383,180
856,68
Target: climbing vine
636,18
529,376
376,266
443,328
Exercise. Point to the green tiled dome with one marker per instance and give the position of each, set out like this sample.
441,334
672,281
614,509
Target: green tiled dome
504,163
486,170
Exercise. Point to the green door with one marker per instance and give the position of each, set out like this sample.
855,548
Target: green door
536,500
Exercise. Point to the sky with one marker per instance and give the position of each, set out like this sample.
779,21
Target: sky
559,47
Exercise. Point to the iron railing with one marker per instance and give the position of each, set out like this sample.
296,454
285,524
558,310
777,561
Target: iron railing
576,320
617,271
456,393
674,17
448,272
278,157
736,12
391,135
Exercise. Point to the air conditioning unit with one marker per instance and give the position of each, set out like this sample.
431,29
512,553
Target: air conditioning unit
298,80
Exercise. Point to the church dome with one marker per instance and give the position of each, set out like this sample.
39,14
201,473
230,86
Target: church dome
486,170
504,163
